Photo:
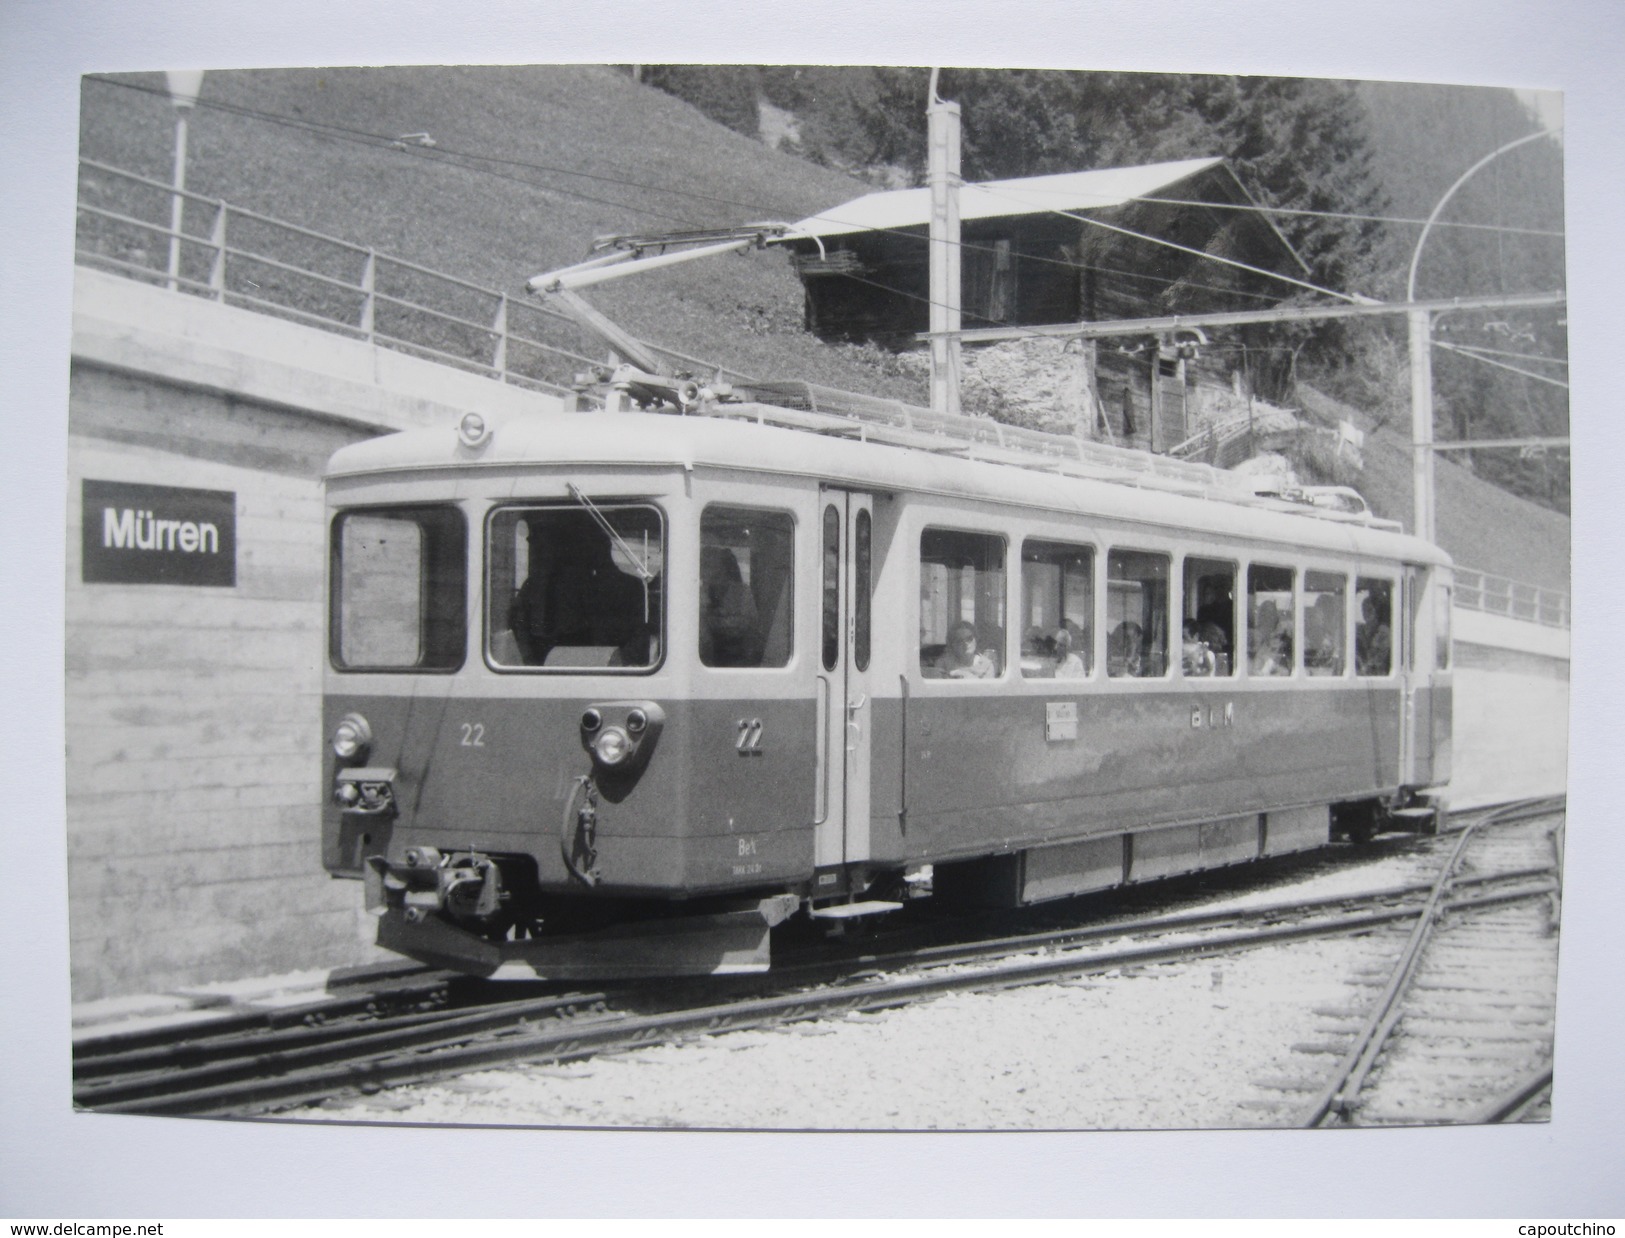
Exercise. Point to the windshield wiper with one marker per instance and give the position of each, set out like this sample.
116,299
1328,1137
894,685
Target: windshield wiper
639,562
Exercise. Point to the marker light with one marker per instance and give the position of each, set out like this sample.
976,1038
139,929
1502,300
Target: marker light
351,737
591,720
612,747
636,720
473,430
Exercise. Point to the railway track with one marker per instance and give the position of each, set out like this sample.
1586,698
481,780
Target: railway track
246,1068
1462,1028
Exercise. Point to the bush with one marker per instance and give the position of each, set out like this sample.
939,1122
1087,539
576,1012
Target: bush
726,93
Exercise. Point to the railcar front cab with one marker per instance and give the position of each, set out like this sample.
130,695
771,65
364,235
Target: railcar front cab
569,730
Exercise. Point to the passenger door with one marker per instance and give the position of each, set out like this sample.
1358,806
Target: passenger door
845,710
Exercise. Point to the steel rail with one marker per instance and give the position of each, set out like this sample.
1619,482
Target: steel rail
94,1050
249,1033
416,1032
313,1062
1517,1100
584,1038
94,1047
225,1044
1337,1101
563,1044
1050,939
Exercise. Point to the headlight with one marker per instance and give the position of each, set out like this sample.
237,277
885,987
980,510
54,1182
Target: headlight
473,430
612,747
351,737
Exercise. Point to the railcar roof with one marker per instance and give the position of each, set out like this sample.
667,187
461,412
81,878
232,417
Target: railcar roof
600,440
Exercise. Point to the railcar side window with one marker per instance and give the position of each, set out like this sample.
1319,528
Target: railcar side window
400,584
1136,614
962,612
831,610
746,599
1325,623
575,588
1374,627
1208,629
862,553
1271,619
1057,610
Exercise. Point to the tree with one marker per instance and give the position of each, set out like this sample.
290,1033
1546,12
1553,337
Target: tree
1516,244
1294,143
1339,152
726,93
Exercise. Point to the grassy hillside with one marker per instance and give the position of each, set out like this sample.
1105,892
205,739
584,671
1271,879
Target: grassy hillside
1479,524
529,164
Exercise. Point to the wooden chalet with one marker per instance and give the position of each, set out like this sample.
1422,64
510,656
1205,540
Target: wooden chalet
1079,246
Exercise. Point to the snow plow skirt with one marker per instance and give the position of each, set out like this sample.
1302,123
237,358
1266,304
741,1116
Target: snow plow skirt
728,942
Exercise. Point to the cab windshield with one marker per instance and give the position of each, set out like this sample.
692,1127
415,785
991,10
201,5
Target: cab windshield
575,588
399,589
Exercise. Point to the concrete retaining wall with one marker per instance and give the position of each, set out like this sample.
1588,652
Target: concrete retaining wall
193,713
1511,710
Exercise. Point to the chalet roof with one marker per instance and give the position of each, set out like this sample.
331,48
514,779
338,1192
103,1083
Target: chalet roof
1029,195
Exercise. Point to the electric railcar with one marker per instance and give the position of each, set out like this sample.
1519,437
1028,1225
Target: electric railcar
612,694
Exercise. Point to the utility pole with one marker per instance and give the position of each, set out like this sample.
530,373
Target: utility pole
1421,349
1421,344
184,85
942,133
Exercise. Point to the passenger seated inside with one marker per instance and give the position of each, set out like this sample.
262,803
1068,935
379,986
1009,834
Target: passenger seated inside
1125,651
1213,636
730,632
1195,658
1275,658
1050,655
1322,636
527,615
961,659
1214,623
1067,664
1269,641
1373,644
582,602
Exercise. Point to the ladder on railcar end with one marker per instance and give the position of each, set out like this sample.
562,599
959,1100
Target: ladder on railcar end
874,419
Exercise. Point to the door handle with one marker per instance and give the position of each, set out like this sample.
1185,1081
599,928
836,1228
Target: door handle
854,728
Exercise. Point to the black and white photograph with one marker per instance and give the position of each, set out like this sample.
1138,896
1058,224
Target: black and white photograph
754,595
